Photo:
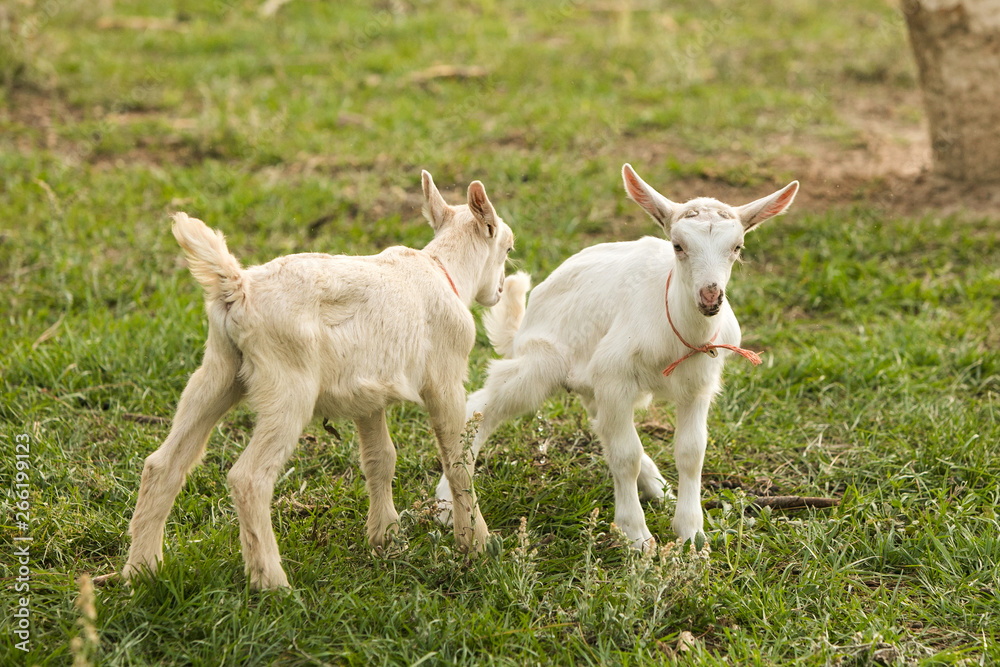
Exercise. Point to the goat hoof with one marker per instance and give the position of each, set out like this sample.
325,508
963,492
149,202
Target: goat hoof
275,581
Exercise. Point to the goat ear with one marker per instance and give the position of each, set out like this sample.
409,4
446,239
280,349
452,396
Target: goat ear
435,208
652,202
482,209
756,212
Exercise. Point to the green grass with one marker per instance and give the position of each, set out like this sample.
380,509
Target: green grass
880,333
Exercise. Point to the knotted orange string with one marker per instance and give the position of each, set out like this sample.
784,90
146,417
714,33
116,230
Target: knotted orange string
455,290
708,348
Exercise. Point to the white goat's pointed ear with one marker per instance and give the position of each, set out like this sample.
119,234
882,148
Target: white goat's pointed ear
756,212
652,202
435,208
482,209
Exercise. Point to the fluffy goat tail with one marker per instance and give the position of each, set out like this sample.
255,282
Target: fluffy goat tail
504,319
209,260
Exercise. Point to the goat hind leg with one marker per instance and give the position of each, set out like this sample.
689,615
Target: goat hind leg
652,485
251,483
211,392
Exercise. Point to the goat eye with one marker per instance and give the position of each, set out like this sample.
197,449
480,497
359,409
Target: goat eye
737,248
678,248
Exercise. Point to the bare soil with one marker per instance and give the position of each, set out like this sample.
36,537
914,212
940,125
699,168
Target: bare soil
888,165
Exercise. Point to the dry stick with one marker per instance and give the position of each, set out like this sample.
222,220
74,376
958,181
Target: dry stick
105,579
144,419
782,502
313,227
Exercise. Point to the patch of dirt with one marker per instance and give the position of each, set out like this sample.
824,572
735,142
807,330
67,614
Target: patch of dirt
45,111
888,166
36,109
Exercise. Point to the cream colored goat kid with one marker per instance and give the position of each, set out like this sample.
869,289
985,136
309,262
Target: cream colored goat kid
315,335
598,326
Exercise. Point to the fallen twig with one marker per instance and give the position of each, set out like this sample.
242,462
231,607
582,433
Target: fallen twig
448,72
313,227
105,579
657,429
144,419
781,502
296,508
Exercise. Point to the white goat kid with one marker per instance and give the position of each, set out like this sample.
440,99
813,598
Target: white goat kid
312,334
599,326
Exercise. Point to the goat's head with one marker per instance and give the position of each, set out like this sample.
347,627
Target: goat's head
476,225
707,234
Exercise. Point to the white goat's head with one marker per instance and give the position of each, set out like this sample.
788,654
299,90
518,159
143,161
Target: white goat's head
707,234
473,225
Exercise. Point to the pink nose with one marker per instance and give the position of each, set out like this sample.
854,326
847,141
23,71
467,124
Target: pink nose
710,295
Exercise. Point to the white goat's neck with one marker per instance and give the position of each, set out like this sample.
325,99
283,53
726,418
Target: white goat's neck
693,325
463,259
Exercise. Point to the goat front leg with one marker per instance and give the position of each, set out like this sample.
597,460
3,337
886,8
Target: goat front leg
378,463
447,413
690,441
476,404
623,452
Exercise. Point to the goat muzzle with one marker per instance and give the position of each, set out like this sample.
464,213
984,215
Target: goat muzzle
710,300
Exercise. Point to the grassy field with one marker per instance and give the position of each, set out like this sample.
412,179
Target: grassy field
306,131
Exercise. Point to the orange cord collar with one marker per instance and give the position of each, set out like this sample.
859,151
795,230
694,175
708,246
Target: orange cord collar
452,282
708,348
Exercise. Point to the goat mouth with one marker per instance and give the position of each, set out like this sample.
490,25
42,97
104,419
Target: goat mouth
710,309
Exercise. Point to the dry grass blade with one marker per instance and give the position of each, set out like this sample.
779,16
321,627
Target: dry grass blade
48,333
138,23
271,7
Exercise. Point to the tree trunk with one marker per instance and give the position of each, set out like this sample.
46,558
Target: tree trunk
957,47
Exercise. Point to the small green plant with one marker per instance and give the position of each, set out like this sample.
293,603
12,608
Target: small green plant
526,577
631,599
